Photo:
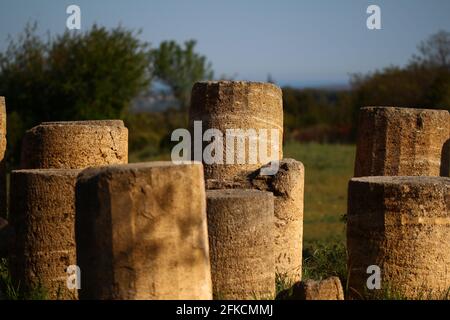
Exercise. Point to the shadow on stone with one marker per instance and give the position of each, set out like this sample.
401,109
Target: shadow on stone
445,159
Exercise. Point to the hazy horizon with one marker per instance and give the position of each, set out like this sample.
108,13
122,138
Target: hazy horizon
299,43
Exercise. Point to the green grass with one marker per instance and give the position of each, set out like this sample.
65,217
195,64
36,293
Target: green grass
11,291
328,168
321,260
388,292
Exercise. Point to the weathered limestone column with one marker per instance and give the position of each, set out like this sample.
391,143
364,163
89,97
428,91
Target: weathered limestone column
2,157
232,105
226,105
402,142
75,144
402,225
240,228
287,186
141,232
42,212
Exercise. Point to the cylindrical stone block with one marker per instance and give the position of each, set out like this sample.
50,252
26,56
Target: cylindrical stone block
42,212
75,144
252,110
401,225
402,142
141,232
287,186
240,229
2,157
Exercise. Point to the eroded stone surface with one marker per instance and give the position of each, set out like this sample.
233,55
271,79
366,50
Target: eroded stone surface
75,144
241,237
141,232
402,225
287,185
42,212
327,289
402,142
242,105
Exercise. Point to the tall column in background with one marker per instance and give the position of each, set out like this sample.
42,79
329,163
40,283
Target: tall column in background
247,106
402,142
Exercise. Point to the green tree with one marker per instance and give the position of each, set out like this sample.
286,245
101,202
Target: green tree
90,75
434,51
179,68
423,83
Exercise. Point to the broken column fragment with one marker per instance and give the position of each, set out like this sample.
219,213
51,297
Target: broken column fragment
42,212
240,229
326,289
287,186
141,232
75,144
402,142
402,226
231,105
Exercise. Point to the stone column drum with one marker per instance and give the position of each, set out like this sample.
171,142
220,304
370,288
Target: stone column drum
42,212
287,186
402,225
241,238
141,232
402,142
241,105
75,144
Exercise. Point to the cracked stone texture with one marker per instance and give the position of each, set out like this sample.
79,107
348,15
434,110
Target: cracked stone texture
141,232
237,105
42,212
402,142
241,238
402,225
287,186
327,289
2,157
75,144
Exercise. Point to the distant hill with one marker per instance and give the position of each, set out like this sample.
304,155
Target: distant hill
154,101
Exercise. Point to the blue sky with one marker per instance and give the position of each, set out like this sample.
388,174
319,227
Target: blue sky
301,43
